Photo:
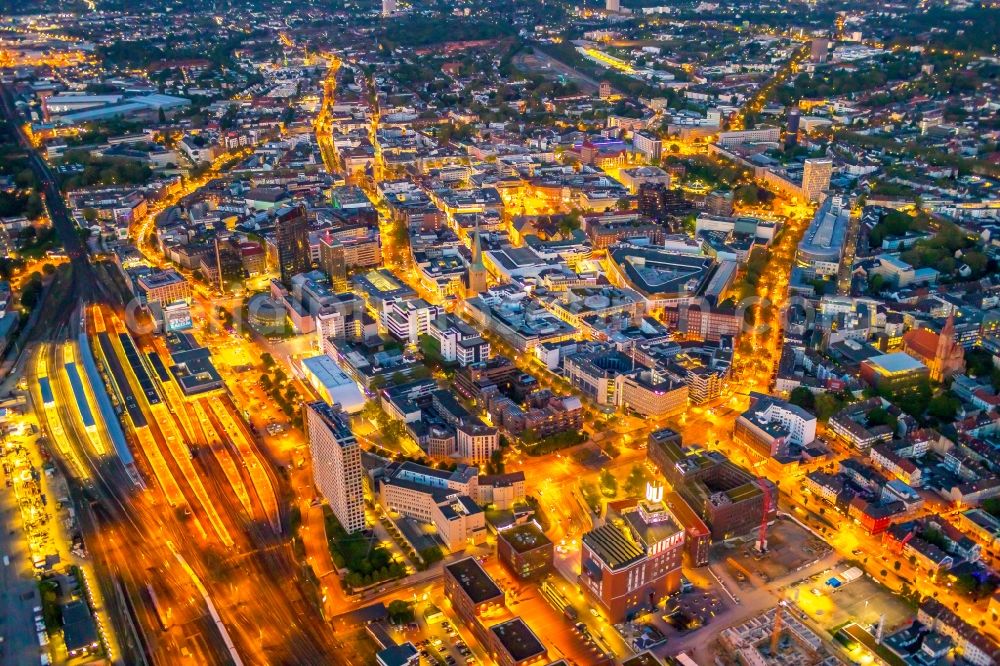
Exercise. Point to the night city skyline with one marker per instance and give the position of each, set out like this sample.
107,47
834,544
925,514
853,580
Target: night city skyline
601,333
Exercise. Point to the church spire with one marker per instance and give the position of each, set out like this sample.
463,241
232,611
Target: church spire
946,340
476,278
950,356
477,249
949,326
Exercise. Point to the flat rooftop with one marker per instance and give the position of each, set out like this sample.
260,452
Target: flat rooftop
897,362
478,584
327,371
518,639
660,272
194,371
333,419
652,531
524,538
161,279
383,284
642,659
825,235
79,630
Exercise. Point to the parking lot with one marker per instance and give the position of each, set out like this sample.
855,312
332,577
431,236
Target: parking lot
444,645
862,601
436,632
699,606
695,607
18,588
30,521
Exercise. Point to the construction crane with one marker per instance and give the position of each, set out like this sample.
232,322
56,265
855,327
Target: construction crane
762,536
776,629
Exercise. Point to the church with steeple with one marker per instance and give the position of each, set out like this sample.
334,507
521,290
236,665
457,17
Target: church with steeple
475,282
940,352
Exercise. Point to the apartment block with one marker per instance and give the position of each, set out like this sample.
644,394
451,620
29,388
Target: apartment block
336,459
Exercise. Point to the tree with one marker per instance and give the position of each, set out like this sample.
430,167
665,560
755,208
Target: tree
992,507
25,178
875,284
827,404
431,554
747,195
803,397
880,416
821,286
569,223
934,536
445,133
400,612
895,223
589,493
915,401
977,261
431,348
609,484
944,407
690,224
496,465
372,410
978,363
8,265
636,480
31,292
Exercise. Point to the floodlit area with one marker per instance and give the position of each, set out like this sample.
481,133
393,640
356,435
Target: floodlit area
862,601
778,638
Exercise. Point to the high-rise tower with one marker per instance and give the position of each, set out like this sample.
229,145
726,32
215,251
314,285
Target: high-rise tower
819,49
476,283
291,236
816,174
792,128
336,459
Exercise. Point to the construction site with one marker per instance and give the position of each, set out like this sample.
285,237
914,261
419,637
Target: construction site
862,600
776,638
789,547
